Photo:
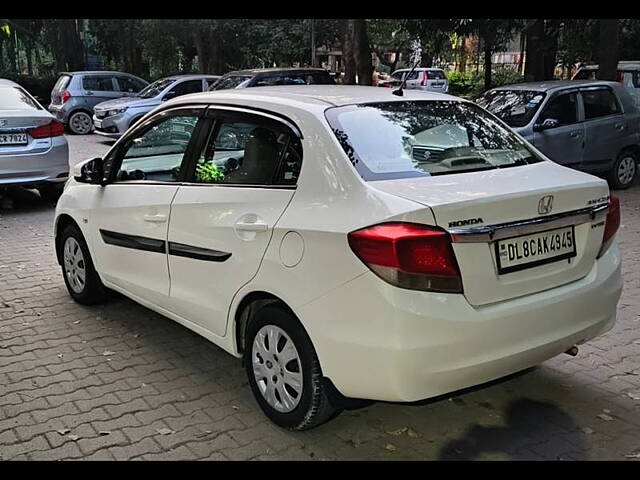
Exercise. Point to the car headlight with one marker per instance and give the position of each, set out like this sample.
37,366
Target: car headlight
116,111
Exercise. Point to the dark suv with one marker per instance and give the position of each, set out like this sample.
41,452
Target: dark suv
263,77
76,93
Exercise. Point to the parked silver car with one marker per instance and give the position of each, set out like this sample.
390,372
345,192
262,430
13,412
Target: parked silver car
431,79
112,118
628,75
33,150
589,125
76,93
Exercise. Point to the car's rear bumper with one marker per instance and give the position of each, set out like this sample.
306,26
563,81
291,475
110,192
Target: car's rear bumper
59,112
51,166
379,342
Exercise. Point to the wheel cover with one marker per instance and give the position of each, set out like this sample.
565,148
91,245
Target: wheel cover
80,122
277,368
626,170
74,265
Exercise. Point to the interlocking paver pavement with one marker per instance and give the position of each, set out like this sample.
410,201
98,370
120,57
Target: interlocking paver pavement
166,393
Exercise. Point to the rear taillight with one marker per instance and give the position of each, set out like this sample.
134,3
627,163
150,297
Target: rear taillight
425,77
53,129
64,96
611,224
409,255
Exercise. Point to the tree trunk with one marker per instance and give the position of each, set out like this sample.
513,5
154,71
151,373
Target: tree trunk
534,65
348,54
608,51
362,53
488,47
550,48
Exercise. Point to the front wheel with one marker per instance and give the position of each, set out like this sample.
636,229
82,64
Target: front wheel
80,276
284,372
624,170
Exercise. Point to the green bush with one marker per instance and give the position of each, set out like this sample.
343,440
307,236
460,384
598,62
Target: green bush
208,172
470,84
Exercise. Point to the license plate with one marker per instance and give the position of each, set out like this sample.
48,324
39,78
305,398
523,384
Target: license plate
97,123
527,251
13,139
437,84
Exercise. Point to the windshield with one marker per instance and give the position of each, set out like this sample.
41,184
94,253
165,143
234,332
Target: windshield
154,89
421,138
516,108
13,98
231,81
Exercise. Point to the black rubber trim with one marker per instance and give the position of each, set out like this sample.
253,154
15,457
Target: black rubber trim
133,241
199,253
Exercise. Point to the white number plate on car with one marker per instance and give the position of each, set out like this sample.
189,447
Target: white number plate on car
526,251
13,139
97,123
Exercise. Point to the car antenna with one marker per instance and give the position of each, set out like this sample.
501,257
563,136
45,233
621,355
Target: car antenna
398,91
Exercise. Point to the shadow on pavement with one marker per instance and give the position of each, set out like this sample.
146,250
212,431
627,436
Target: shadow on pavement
552,427
22,199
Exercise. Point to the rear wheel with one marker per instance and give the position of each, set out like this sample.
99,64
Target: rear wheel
624,170
80,123
284,372
82,280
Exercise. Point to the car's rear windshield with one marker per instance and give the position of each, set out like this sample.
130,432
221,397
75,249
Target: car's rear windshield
420,138
62,83
516,108
15,98
154,89
230,81
295,78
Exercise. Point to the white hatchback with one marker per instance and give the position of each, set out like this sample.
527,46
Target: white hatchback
346,242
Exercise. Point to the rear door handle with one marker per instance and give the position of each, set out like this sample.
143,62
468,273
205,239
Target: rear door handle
575,134
160,218
252,227
89,93
619,126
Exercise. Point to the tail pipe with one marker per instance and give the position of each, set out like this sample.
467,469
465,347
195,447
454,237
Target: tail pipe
573,351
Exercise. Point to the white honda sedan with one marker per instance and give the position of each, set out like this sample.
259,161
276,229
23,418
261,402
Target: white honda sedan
347,243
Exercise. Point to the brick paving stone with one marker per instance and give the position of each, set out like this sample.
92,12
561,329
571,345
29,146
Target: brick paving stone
53,375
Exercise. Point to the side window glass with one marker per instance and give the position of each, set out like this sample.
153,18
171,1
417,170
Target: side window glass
599,103
157,153
103,84
244,152
413,76
562,108
192,86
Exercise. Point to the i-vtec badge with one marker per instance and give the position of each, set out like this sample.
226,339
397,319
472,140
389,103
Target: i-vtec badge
462,223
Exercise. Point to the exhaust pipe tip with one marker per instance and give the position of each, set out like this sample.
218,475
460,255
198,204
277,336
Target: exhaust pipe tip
573,351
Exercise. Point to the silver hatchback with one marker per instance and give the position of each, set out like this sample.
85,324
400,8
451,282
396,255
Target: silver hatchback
589,125
33,149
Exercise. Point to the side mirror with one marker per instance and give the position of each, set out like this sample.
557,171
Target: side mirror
169,96
90,171
546,125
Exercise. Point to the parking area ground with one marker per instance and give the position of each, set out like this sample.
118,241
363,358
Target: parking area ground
118,381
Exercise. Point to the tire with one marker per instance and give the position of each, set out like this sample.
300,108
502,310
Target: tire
85,287
624,170
80,123
51,192
311,407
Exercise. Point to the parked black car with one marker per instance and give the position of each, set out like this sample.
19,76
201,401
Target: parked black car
263,77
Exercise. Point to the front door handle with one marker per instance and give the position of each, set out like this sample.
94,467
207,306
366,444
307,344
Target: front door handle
160,218
575,134
252,226
619,126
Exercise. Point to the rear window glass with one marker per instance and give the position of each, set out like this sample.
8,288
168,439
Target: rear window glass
16,98
102,84
599,103
231,81
62,83
436,75
516,108
420,138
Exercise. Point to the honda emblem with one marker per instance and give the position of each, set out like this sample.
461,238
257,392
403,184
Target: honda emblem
545,204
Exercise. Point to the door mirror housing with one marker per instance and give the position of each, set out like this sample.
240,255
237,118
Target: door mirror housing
546,125
168,96
90,171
